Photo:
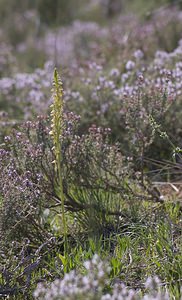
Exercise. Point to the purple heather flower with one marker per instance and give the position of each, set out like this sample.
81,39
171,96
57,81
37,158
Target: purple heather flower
138,54
130,65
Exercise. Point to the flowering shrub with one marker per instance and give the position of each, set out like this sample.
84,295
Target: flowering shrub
26,93
89,163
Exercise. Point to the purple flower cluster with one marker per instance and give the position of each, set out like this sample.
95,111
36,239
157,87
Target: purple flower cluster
28,90
92,285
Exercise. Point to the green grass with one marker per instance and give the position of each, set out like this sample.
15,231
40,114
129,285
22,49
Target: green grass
147,246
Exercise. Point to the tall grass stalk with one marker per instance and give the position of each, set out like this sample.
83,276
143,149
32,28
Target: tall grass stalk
57,126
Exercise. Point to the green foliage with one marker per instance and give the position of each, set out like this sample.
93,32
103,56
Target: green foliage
55,12
88,187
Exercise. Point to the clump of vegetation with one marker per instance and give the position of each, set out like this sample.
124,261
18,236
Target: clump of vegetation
51,185
90,174
92,284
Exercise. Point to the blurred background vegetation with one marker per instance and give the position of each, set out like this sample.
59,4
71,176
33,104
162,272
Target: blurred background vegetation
59,12
18,22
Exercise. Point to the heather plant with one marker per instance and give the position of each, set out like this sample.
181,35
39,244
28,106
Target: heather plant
174,164
101,193
25,94
90,165
86,162
124,101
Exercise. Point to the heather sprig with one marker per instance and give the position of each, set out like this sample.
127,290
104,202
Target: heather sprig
163,134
